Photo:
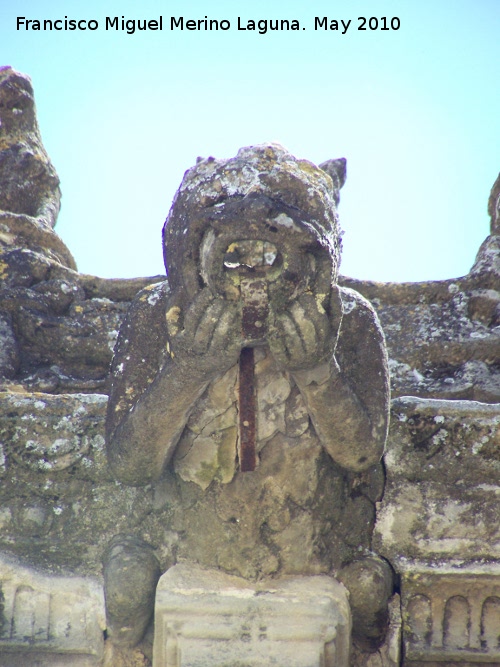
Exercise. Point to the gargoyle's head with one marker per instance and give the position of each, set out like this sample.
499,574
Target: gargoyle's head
17,110
262,214
29,184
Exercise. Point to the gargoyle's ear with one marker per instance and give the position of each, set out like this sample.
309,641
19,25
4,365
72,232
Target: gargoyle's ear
494,207
337,170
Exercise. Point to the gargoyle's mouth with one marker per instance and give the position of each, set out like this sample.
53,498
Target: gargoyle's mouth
251,256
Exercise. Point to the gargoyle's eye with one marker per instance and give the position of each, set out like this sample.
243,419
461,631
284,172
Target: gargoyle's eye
232,259
270,253
250,255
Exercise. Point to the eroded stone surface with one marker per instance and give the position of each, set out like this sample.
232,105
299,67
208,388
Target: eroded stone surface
494,207
454,322
58,618
451,614
59,504
204,618
443,337
438,525
252,388
441,499
57,328
131,572
29,192
390,653
30,185
470,430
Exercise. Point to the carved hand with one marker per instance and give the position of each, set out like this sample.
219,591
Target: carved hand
206,336
305,335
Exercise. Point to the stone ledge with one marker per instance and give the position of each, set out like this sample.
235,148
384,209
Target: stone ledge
450,614
442,495
48,616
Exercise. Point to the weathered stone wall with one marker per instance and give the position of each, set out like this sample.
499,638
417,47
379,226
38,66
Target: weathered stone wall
437,523
50,620
60,506
58,326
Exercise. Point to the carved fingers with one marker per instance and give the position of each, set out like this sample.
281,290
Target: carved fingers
301,337
207,333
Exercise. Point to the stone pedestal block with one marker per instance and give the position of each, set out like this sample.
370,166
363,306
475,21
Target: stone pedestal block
205,618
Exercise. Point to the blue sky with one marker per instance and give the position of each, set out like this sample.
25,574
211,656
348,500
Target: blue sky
415,112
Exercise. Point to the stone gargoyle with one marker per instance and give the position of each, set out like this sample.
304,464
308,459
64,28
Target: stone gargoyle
254,390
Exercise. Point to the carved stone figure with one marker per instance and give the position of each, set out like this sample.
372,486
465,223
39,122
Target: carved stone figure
239,548
252,390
